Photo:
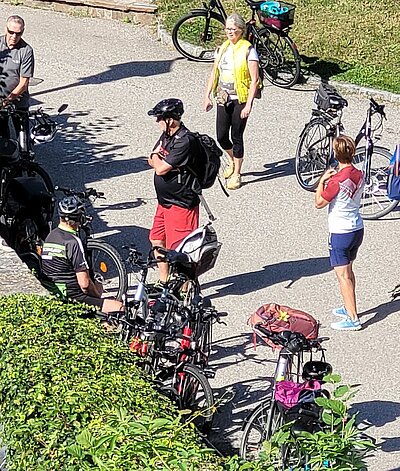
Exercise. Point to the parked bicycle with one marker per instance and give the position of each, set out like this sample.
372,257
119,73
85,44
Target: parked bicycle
26,189
106,265
172,338
269,416
314,154
197,34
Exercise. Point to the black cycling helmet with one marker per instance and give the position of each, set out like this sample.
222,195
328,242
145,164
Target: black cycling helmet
168,108
71,208
316,370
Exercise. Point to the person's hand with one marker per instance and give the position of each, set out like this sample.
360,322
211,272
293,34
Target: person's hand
245,112
327,175
207,104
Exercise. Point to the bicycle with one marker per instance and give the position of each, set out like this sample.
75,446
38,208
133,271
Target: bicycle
106,265
160,330
269,416
197,34
314,153
26,189
191,305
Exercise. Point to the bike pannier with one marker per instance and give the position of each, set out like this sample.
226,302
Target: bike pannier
202,247
8,151
328,98
279,15
30,192
276,318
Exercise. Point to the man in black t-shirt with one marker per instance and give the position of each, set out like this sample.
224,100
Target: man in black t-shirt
64,263
177,213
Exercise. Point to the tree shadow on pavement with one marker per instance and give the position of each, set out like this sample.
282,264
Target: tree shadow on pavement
290,271
380,312
377,414
79,155
118,72
283,168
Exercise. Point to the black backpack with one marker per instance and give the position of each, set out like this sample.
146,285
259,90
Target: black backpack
206,159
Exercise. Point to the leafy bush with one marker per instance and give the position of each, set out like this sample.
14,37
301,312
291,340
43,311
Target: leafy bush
339,446
72,398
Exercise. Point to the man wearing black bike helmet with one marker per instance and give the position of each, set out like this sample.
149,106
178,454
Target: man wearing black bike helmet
64,263
177,213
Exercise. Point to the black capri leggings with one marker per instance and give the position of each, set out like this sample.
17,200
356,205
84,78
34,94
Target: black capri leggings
230,122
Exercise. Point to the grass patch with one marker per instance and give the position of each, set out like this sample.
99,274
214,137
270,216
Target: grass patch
356,41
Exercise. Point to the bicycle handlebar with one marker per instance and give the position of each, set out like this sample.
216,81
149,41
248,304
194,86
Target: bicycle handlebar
89,192
295,342
377,108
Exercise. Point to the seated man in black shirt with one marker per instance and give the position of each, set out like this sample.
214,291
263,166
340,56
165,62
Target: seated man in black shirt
64,261
177,213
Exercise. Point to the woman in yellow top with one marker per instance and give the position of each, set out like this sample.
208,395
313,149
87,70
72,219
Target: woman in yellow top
234,82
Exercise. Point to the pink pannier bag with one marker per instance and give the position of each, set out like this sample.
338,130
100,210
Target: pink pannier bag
276,318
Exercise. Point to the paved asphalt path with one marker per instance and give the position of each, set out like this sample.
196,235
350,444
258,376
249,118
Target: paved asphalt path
274,241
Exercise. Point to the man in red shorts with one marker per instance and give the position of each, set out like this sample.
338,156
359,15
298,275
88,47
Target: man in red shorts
177,213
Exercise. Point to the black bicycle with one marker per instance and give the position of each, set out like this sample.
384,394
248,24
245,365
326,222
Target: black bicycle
197,34
314,154
269,416
106,265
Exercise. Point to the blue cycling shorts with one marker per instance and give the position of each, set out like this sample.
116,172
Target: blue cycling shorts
343,248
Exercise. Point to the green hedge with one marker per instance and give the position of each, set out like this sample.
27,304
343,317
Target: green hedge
72,398
356,41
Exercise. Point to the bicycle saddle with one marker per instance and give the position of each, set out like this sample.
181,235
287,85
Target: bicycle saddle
173,257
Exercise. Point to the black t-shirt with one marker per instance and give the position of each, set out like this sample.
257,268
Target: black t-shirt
174,188
63,256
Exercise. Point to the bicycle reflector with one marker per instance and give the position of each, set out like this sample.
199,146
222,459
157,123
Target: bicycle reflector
103,267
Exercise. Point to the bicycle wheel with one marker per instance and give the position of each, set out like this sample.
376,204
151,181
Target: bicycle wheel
196,395
107,267
279,58
374,199
198,34
256,432
312,154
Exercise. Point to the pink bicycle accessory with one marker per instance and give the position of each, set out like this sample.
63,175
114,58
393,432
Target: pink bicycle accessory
288,393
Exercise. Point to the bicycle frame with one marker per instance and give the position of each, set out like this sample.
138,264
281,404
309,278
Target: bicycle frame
366,132
215,5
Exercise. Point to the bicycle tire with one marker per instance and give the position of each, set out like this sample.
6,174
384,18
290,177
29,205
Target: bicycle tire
312,154
289,456
279,58
197,35
107,267
198,398
374,194
256,426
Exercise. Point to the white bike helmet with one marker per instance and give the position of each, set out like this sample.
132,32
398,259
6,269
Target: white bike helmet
43,132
